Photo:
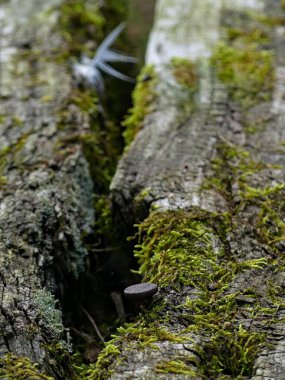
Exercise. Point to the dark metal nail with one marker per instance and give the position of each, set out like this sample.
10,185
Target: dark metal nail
140,294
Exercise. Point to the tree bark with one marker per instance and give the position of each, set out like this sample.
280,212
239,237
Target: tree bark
208,168
46,190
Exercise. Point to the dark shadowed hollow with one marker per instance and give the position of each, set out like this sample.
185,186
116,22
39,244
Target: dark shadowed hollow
98,293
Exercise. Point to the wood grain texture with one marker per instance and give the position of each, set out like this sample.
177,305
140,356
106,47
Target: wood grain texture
166,168
46,191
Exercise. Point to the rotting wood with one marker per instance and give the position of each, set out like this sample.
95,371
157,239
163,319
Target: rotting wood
46,191
212,177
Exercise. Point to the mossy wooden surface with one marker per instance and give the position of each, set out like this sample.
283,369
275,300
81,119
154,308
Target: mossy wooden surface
213,183
21,368
143,100
51,145
207,165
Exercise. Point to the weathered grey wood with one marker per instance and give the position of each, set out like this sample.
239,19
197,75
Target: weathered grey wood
46,192
170,160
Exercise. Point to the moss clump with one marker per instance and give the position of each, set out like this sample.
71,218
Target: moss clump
15,367
231,352
269,21
235,166
83,24
230,349
86,100
185,72
179,249
178,367
3,181
141,334
245,62
231,165
103,224
255,35
104,365
80,22
62,362
146,332
247,70
143,99
270,226
175,248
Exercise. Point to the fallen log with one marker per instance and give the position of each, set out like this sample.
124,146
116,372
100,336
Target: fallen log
204,178
46,189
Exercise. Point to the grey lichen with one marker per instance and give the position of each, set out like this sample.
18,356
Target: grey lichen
49,314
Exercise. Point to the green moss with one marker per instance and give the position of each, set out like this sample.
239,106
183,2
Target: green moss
80,21
174,247
247,70
231,352
230,165
11,153
231,348
234,165
244,62
104,365
100,145
185,72
258,124
142,195
270,226
17,122
249,193
15,367
62,362
144,102
269,21
2,118
103,215
257,36
115,11
86,100
144,333
176,367
3,181
83,24
4,152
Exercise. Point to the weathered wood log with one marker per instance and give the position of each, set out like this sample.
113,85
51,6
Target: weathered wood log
46,203
208,165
